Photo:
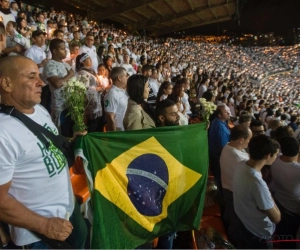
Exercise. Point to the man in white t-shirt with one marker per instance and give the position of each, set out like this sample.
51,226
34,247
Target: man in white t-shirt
36,51
35,190
232,154
254,206
90,49
5,12
286,186
127,66
115,101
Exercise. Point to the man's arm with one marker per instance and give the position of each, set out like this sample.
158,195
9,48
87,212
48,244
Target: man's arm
16,214
273,214
110,117
57,82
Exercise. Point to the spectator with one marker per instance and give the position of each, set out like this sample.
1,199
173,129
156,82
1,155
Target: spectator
287,193
36,52
255,208
135,116
232,154
19,186
218,137
257,128
164,91
93,112
5,12
90,49
115,100
57,72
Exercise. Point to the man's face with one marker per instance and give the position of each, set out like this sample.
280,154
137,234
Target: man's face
76,35
61,51
171,117
224,115
257,130
89,40
5,4
75,50
123,78
271,159
14,6
26,84
126,58
39,40
60,35
41,18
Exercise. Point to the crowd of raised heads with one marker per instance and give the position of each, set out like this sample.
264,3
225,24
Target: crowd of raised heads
246,79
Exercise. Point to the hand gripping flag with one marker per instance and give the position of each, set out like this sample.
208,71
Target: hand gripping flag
145,183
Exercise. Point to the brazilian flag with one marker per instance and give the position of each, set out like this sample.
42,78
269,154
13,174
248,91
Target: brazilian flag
145,183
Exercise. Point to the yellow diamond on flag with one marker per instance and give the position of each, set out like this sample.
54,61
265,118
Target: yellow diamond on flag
144,180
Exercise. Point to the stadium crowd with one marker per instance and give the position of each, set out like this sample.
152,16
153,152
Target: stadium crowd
256,90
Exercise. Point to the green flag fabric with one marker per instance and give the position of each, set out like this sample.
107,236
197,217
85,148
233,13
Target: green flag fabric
145,183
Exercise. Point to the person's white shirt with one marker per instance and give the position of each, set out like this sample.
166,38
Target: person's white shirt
230,157
185,101
201,90
36,54
43,186
7,17
92,53
250,192
154,85
287,193
129,68
115,101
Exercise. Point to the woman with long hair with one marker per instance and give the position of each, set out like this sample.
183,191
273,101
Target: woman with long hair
94,89
164,91
107,61
135,116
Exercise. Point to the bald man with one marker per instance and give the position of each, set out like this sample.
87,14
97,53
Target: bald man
35,190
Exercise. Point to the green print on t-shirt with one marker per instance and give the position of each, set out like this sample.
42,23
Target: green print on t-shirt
53,158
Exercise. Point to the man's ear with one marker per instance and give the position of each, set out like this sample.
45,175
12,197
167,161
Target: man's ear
6,84
161,119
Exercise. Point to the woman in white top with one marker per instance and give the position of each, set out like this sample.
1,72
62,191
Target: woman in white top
93,111
164,91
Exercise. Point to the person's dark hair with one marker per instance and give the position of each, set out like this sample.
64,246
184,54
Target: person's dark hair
208,95
55,32
116,72
183,80
79,64
256,123
55,43
283,131
135,87
160,92
245,118
73,45
239,131
293,118
278,113
262,145
283,117
289,146
161,107
146,67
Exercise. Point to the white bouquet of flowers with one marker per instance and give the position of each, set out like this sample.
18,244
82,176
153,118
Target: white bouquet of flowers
207,108
74,91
